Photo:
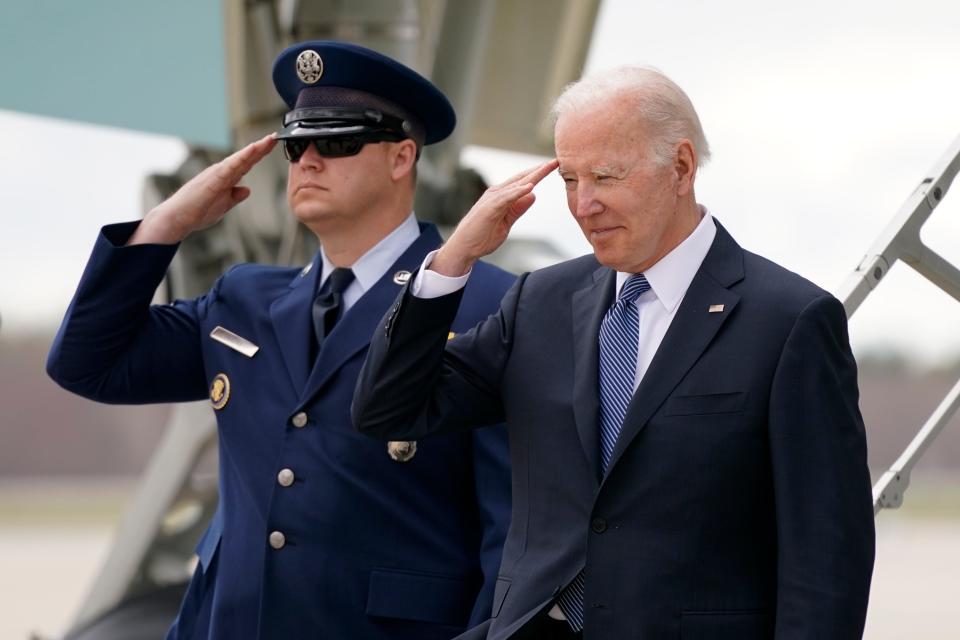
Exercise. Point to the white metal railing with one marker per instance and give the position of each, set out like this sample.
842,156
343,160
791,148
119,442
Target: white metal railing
901,241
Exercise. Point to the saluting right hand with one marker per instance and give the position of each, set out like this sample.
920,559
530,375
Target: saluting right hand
487,224
204,200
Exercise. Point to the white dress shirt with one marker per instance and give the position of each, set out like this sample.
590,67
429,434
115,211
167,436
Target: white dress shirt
669,280
370,267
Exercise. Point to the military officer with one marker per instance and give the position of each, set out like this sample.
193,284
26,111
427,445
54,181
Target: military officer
320,532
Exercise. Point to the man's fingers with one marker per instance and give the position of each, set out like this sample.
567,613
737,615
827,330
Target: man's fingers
523,203
238,195
531,174
257,151
517,177
501,199
542,171
236,165
519,207
261,148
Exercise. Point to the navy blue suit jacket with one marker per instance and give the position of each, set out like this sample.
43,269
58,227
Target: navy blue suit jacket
375,549
737,503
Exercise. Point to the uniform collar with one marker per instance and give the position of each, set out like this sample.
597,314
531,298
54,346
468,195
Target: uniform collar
370,267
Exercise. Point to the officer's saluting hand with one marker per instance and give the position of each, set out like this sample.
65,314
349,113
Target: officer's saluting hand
205,199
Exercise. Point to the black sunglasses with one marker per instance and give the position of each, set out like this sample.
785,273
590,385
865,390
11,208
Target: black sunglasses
339,146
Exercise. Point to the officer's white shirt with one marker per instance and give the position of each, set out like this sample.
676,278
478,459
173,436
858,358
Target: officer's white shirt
669,280
371,266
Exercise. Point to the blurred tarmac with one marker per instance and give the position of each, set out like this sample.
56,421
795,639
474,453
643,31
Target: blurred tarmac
53,537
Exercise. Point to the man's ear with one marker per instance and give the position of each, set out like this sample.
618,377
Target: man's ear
685,167
404,158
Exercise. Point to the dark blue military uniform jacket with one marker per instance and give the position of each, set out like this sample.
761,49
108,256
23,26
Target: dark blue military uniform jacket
372,548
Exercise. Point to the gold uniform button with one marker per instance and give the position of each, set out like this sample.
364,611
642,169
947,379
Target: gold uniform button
285,477
277,540
300,420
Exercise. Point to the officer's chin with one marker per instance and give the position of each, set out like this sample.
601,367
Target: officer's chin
314,216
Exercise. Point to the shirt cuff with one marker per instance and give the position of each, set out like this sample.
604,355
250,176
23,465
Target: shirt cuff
430,284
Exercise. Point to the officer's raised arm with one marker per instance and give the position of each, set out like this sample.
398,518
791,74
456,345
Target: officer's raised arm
204,200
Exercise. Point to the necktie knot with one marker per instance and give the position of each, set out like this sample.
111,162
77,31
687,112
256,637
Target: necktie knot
340,278
635,286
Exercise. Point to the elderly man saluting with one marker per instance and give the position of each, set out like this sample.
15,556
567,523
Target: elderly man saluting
688,456
320,532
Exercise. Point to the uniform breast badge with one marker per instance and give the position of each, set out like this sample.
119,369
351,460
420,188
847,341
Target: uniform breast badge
220,391
402,450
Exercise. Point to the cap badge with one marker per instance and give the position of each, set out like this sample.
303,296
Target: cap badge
401,277
402,451
220,391
309,66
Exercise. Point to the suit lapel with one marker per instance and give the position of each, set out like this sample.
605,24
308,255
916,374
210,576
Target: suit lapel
690,332
589,306
292,324
354,330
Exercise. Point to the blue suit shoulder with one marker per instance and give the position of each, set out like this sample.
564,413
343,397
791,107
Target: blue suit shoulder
779,288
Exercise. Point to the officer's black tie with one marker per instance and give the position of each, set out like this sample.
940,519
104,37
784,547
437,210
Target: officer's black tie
328,305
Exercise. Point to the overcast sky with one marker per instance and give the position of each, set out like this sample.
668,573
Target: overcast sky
822,116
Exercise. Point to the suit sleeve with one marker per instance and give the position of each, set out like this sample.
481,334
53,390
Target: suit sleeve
415,382
824,510
113,346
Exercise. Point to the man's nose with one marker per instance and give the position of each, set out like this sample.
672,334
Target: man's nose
311,158
586,201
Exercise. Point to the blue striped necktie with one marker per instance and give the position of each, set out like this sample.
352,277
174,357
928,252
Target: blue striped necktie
619,341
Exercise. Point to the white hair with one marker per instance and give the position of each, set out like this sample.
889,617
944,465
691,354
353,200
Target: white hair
662,106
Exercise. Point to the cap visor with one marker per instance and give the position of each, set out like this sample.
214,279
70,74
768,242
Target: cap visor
320,130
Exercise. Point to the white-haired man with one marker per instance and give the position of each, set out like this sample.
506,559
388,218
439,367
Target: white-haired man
689,459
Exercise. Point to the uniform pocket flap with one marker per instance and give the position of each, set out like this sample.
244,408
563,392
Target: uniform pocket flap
427,597
705,404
